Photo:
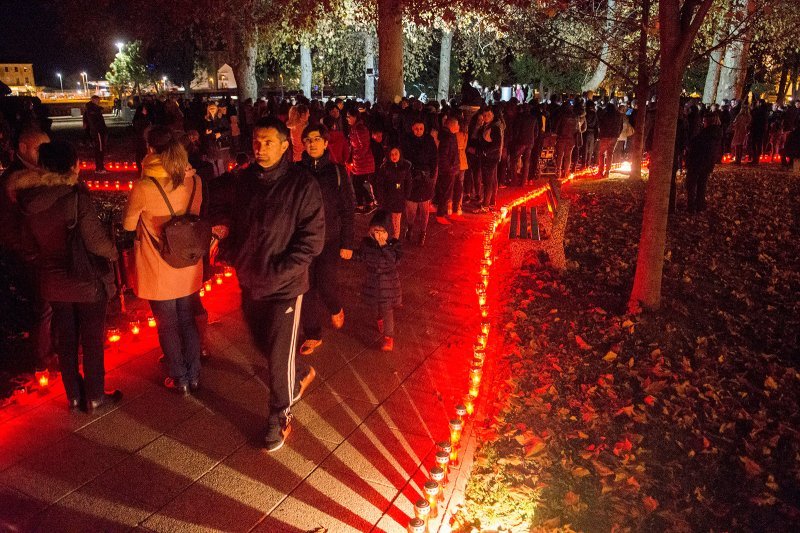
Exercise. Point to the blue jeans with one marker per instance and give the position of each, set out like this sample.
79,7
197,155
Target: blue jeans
179,338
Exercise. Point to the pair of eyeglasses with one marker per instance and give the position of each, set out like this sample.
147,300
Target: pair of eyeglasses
312,140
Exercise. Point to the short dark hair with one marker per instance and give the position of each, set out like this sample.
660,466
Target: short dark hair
275,124
58,156
319,128
329,122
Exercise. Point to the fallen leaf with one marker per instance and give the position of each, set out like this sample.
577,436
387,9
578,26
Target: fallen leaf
610,356
650,503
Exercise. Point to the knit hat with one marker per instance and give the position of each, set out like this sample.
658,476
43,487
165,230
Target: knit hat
381,218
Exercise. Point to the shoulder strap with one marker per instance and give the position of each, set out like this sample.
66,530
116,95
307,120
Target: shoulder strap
164,195
191,196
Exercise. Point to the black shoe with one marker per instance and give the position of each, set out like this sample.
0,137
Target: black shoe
194,385
176,386
106,400
277,432
204,354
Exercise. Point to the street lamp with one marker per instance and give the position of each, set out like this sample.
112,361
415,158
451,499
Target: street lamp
60,82
85,79
120,46
79,87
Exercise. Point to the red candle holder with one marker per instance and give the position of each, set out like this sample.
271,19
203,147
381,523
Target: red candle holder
485,325
218,279
43,379
135,328
227,271
437,475
482,299
480,288
422,510
417,525
461,411
484,310
483,339
208,286
431,489
202,293
151,322
113,335
443,462
469,404
456,427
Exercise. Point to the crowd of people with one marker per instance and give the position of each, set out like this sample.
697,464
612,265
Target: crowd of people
284,216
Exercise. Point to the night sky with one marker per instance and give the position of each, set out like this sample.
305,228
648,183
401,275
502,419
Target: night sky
30,33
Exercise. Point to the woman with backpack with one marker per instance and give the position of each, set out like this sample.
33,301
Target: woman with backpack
73,250
168,185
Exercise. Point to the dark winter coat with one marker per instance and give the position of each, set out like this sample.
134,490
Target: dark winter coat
277,226
382,281
491,150
609,123
448,162
93,120
47,201
704,150
393,185
337,197
209,141
421,153
526,128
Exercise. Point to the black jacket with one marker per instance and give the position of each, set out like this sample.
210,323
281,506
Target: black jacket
393,185
609,123
382,281
277,226
526,128
704,150
491,150
421,153
449,162
48,202
337,197
93,120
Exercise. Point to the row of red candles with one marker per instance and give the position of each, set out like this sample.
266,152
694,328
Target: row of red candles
123,166
426,507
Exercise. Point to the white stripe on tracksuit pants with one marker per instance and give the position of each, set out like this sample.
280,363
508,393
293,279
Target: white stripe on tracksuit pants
275,326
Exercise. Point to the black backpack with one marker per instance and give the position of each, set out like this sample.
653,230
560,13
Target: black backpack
185,238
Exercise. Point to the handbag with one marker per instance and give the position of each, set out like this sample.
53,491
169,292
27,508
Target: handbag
82,264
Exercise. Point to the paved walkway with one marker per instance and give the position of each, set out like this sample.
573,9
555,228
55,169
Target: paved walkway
363,436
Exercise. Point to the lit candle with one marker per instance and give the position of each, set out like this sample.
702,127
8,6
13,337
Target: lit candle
485,327
473,391
485,279
135,329
113,335
431,489
228,271
208,286
483,338
475,375
43,378
468,403
482,299
437,475
480,288
416,525
422,509
116,185
202,293
151,322
461,411
218,279
456,426
130,185
442,460
484,310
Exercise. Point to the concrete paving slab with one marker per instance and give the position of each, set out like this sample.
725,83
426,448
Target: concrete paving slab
61,468
17,508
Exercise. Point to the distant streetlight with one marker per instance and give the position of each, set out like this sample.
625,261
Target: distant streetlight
120,46
79,87
85,79
60,82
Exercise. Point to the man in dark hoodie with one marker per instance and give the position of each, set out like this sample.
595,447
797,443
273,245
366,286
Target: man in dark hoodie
271,232
420,150
95,126
701,155
609,126
339,201
448,165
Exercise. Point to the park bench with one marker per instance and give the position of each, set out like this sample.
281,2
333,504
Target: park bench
528,233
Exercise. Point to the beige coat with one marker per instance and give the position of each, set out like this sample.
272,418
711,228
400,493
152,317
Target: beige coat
147,212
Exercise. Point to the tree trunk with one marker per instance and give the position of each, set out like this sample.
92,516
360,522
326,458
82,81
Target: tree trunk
390,50
243,57
677,30
305,69
714,66
782,84
444,65
734,64
369,67
642,95
605,52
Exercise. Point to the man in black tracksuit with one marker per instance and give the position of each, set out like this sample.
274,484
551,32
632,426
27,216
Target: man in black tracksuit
448,166
338,198
95,125
271,232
